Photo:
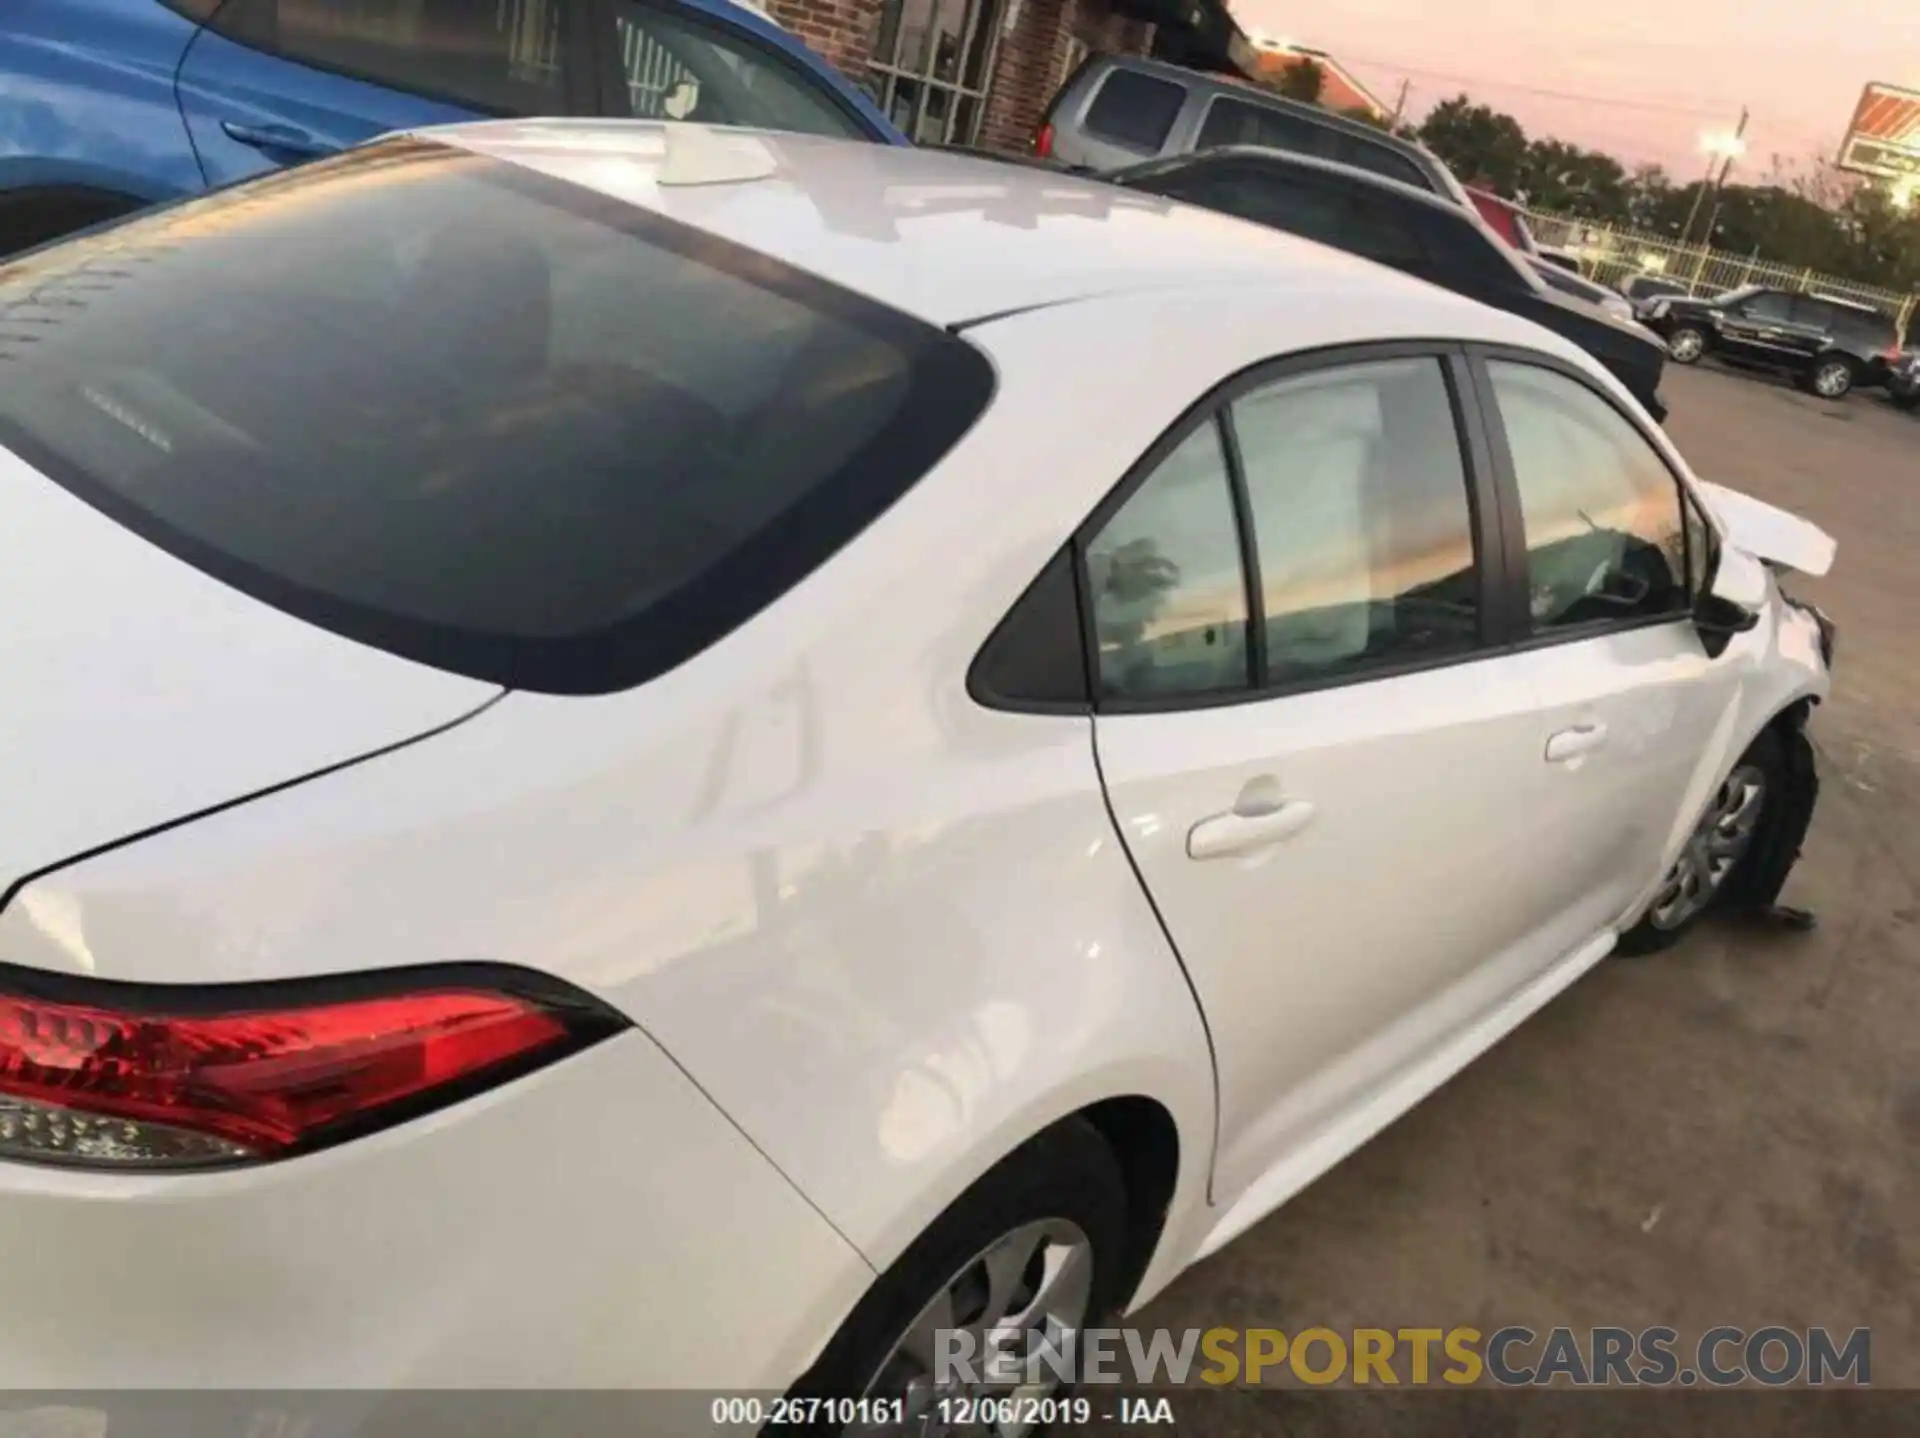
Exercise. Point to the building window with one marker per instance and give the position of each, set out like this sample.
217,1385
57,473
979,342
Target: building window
931,66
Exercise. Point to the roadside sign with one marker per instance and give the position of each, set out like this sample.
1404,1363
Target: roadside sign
1884,137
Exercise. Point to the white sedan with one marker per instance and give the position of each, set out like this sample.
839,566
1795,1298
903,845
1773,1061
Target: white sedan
648,757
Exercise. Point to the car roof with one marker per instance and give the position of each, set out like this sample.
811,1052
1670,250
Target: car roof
1860,306
949,238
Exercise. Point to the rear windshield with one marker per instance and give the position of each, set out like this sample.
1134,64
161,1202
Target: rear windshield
1135,110
471,414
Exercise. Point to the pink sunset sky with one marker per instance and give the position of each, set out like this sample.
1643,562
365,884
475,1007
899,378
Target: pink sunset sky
1640,79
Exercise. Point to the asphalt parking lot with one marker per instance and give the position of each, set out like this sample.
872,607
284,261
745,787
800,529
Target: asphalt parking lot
1725,1134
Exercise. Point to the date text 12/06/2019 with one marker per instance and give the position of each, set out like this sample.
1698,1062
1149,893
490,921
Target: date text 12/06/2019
1007,1411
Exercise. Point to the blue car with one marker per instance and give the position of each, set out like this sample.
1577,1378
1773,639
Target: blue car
111,105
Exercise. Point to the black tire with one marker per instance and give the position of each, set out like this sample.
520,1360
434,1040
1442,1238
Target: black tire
1697,336
1648,937
1847,373
1067,1172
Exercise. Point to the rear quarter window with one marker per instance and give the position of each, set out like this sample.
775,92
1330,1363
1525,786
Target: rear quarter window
470,414
1135,110
1380,160
1858,328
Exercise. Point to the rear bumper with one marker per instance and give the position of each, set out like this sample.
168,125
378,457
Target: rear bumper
598,1224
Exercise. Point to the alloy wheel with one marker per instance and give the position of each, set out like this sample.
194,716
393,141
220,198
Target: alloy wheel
1717,844
1030,1286
1688,346
1832,380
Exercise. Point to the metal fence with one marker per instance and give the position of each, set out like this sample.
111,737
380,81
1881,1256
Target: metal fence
1609,256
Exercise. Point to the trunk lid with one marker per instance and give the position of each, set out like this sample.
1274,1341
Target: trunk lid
136,691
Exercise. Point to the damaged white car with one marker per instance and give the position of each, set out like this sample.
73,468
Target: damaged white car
615,724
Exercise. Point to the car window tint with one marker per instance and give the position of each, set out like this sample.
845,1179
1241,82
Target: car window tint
1601,508
1377,229
1470,257
1301,202
1768,305
675,67
1168,589
1849,326
1135,110
1360,518
472,414
1235,122
1379,160
504,57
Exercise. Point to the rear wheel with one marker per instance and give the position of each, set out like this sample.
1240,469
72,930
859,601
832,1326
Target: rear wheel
1700,877
1031,1251
1687,345
1831,377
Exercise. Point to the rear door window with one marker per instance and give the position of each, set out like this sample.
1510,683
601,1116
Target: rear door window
508,57
1768,305
1235,122
672,66
470,414
1135,110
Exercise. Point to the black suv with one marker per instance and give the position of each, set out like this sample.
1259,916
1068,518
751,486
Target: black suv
1828,345
1394,224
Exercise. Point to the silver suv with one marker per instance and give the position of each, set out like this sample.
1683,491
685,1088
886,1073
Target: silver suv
1118,110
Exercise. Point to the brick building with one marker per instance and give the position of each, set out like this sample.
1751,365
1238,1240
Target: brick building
974,71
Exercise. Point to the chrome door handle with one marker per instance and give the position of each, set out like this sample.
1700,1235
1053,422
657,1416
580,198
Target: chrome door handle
1225,835
1572,743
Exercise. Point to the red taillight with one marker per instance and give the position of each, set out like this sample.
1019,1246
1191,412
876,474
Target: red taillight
85,1080
1043,142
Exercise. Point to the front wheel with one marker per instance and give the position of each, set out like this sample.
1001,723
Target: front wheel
1031,1252
1699,878
1687,345
1831,378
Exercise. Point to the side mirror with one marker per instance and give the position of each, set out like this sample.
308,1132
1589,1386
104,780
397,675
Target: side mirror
1735,595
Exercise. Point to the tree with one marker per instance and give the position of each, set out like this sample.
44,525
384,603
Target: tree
1808,216
1481,145
1303,81
1569,180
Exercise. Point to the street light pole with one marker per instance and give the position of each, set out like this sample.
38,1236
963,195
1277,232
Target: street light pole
1726,152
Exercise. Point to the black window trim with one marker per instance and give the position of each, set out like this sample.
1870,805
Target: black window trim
952,384
1516,609
603,60
1483,510
577,90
